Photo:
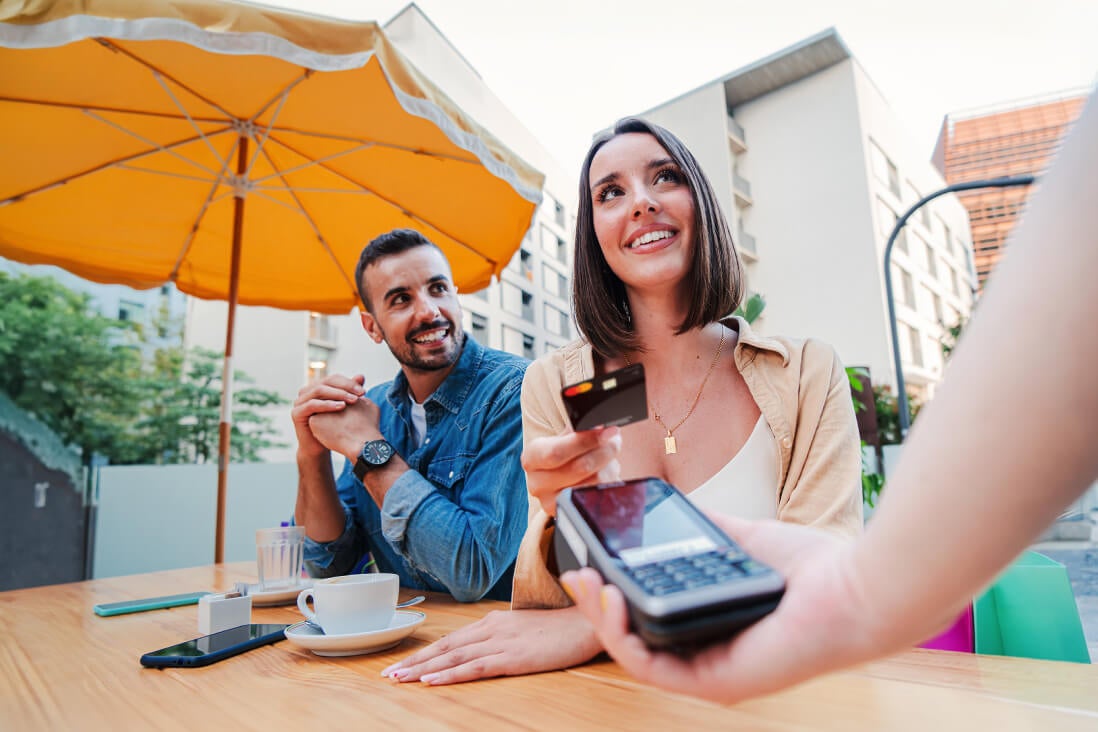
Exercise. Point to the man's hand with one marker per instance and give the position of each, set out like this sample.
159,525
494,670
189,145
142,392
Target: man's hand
330,395
347,429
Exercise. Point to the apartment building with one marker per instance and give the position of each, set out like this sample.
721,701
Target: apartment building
1009,139
525,312
813,169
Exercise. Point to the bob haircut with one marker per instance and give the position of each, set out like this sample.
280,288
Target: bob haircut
598,295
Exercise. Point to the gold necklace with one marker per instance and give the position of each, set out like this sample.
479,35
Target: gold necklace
670,447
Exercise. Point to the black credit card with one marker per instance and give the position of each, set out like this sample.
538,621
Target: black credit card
611,400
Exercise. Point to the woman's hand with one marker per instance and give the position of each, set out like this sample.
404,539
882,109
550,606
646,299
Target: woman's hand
502,643
822,623
577,458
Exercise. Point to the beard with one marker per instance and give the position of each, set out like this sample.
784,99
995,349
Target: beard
428,356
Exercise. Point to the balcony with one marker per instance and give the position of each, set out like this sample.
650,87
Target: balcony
745,244
741,189
736,138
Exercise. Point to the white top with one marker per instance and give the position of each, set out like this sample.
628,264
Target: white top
419,421
747,486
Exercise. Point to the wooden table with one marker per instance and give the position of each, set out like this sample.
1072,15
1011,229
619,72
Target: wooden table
62,667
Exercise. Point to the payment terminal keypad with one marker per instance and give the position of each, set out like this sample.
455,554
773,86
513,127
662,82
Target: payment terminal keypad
698,570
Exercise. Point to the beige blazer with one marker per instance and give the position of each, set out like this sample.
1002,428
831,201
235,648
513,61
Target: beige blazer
802,391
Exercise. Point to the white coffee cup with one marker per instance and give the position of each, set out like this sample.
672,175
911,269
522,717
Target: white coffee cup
354,603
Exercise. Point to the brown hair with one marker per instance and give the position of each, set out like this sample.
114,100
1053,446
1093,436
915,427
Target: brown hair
598,296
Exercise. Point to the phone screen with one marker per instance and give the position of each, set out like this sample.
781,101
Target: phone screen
219,642
643,521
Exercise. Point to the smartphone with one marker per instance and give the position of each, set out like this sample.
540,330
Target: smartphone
149,603
685,581
611,400
217,646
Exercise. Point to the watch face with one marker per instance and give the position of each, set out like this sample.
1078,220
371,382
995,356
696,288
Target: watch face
377,452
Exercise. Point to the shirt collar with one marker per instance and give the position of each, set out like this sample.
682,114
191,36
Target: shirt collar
752,339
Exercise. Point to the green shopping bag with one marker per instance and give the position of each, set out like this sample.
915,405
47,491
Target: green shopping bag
1030,612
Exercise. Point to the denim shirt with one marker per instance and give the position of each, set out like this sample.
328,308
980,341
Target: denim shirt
453,522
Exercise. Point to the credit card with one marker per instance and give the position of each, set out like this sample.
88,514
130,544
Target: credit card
611,400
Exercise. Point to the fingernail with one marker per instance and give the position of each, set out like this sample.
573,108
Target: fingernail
602,598
429,678
608,434
567,586
389,669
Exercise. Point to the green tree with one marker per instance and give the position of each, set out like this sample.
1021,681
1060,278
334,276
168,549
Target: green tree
71,367
100,386
180,423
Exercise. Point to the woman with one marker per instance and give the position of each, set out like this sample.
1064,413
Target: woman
990,464
752,426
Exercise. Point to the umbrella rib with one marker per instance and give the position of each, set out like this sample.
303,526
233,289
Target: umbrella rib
183,110
95,169
311,162
202,213
390,145
101,108
178,176
153,143
151,67
394,204
305,212
282,96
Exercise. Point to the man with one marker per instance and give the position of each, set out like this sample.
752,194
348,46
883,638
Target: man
432,488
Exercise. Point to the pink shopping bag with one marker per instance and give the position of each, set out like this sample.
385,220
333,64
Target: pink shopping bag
958,637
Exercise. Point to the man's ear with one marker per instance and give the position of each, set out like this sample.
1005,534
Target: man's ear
369,324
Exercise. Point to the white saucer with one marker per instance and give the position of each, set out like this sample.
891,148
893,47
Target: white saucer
287,596
352,644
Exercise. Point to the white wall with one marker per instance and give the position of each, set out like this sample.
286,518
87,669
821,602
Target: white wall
817,263
150,518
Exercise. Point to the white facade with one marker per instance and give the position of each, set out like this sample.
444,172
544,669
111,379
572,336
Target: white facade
526,312
813,168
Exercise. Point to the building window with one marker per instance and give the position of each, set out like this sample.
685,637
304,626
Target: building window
131,312
556,210
948,236
556,322
916,341
907,285
478,325
886,222
517,301
931,260
320,328
517,342
522,263
553,281
319,358
884,169
483,294
953,283
939,314
553,245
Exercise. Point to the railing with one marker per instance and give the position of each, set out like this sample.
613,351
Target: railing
746,242
741,187
736,135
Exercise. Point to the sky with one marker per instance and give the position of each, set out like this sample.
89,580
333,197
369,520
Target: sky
571,67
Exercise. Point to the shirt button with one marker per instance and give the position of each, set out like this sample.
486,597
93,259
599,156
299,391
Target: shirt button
451,474
786,441
427,441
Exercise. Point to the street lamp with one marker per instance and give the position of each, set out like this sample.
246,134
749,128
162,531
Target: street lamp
901,395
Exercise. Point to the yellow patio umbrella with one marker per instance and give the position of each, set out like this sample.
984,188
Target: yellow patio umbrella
239,152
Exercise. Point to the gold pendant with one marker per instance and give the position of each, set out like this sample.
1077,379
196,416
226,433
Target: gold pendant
669,447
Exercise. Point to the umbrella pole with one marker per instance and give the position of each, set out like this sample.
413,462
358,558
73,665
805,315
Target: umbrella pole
225,427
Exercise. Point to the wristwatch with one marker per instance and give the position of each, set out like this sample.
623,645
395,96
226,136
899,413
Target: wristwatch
374,454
